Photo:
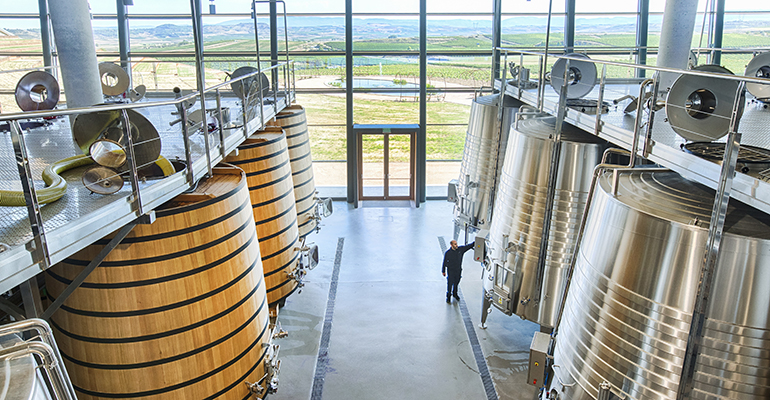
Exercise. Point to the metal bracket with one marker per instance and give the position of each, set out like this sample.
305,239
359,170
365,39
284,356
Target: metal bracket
30,294
11,309
131,161
713,247
122,233
40,254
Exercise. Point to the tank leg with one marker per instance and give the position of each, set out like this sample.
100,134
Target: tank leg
486,303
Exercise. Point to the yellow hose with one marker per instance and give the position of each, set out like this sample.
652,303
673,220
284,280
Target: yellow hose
55,185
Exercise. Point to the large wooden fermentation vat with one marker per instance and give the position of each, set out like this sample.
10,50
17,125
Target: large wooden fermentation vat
294,122
265,158
178,310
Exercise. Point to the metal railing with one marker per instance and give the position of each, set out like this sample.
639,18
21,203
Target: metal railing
659,146
256,107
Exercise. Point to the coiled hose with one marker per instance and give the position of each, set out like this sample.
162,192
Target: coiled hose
55,185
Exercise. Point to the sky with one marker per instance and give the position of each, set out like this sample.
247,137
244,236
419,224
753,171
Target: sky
367,6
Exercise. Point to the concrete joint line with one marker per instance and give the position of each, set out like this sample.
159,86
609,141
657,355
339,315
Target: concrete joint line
478,354
322,361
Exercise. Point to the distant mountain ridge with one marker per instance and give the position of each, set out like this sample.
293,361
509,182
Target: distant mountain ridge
333,28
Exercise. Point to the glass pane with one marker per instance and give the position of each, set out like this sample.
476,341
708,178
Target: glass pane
161,7
453,72
438,174
320,72
532,7
373,166
325,115
399,6
399,165
442,6
386,34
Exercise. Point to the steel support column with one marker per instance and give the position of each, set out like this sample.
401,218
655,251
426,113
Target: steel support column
30,295
642,28
421,147
45,32
497,31
569,26
74,37
713,247
274,42
351,135
719,26
200,71
675,38
123,38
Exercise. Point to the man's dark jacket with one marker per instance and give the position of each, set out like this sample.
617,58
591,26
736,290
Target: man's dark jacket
453,260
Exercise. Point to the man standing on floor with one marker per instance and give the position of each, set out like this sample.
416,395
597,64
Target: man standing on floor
453,265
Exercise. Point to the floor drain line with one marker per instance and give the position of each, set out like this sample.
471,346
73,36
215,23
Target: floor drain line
478,354
323,349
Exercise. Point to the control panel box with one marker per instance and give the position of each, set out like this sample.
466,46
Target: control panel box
502,302
451,191
538,357
480,247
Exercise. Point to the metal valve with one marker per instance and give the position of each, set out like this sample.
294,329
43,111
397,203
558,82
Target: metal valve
268,384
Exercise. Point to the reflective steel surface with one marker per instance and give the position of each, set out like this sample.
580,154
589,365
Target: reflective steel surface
481,160
628,311
517,226
19,379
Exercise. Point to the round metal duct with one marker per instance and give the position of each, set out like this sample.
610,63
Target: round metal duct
250,85
519,212
91,127
37,90
115,80
759,67
107,153
699,108
483,156
581,79
628,311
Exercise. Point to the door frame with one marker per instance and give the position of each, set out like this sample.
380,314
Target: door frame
386,130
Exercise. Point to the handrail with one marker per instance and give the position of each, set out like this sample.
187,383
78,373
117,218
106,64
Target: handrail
739,78
131,106
26,69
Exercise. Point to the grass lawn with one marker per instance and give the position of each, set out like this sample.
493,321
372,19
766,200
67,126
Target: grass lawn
329,142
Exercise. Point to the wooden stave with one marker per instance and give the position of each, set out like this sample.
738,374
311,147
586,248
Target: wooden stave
264,157
294,122
222,339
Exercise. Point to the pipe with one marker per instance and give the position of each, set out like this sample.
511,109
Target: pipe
50,364
675,37
56,186
73,34
43,330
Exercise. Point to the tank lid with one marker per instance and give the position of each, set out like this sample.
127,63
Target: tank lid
545,127
667,195
491,100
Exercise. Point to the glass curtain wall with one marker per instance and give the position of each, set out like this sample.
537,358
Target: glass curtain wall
459,46
385,49
20,49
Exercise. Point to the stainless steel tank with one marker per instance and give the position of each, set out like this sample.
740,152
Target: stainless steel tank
628,310
517,226
19,376
483,156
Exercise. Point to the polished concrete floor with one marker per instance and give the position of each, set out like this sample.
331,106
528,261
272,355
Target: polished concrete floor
390,333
